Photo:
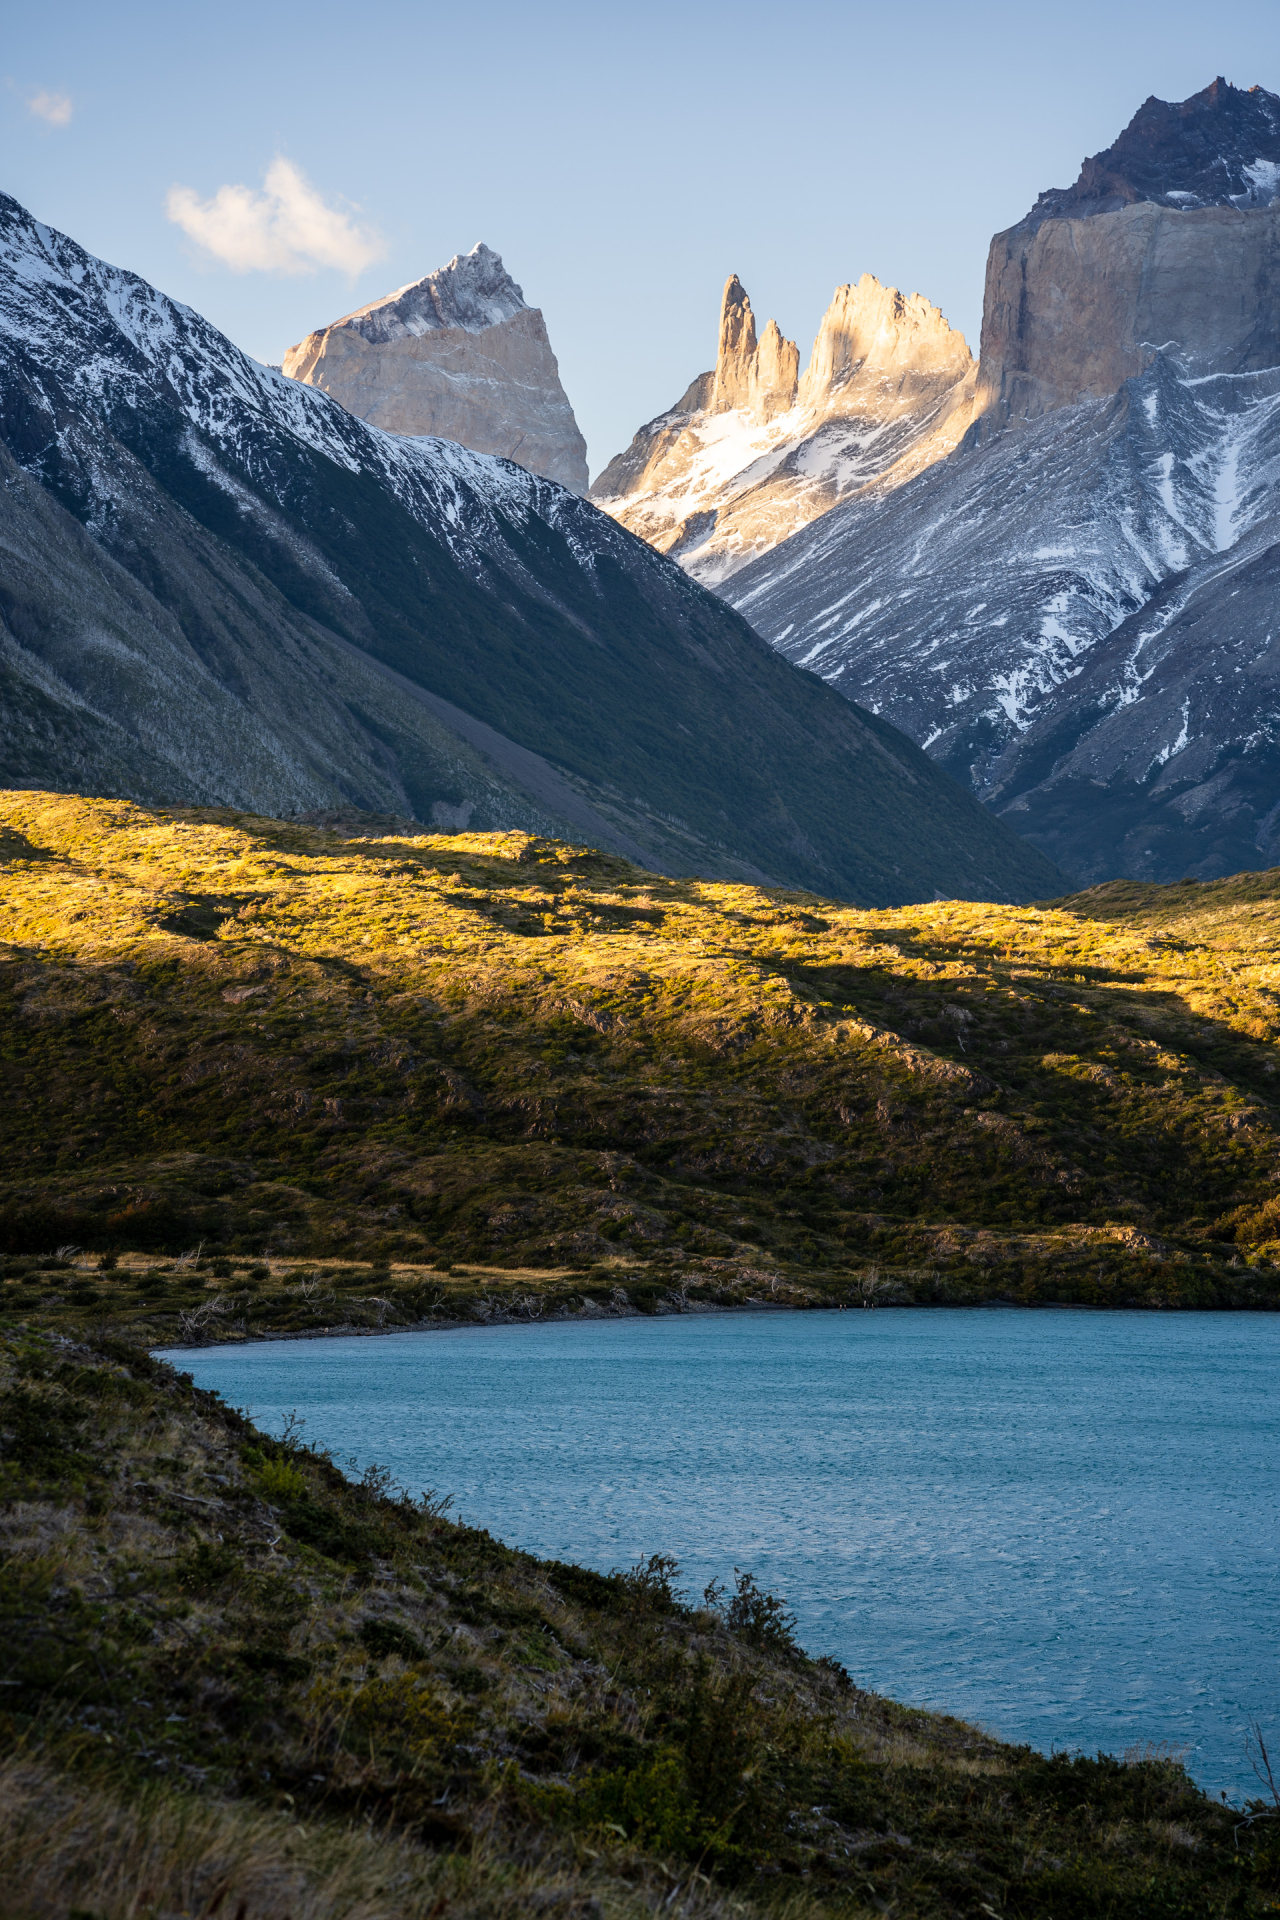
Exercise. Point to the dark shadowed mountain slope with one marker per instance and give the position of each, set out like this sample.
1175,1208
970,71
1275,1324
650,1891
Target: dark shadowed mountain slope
217,585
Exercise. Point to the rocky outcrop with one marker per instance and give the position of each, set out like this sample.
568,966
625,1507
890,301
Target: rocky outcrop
1170,237
878,349
459,355
752,452
761,378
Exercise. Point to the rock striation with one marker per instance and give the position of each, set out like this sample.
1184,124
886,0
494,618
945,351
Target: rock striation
459,355
1075,612
759,377
753,451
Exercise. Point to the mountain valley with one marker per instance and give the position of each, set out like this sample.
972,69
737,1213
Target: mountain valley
220,586
440,896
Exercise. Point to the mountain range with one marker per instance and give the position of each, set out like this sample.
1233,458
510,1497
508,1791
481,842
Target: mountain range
220,586
1061,580
1047,577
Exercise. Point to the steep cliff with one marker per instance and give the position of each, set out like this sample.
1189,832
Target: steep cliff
752,452
1169,237
1075,611
459,355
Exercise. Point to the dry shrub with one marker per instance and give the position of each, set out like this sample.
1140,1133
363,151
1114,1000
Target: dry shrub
71,1849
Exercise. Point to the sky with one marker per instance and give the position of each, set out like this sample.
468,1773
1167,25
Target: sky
277,166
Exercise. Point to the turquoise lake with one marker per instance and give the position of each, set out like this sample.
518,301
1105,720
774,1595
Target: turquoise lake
1062,1525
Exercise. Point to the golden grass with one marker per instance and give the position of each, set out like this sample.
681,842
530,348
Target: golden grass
533,1063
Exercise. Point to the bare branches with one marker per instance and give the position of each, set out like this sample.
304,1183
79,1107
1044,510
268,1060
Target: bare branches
1260,1760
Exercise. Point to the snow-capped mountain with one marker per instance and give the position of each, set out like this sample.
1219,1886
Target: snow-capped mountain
460,355
218,586
754,451
1074,612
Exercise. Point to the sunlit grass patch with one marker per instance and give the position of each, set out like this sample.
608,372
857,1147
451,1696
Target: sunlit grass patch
287,1048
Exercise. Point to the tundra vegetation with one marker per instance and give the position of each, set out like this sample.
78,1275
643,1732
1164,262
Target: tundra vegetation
266,1075
283,1076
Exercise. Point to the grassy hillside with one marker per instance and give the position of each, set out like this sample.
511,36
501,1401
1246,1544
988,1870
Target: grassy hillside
236,1683
267,1075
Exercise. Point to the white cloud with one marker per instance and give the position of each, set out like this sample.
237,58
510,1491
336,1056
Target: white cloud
56,108
285,228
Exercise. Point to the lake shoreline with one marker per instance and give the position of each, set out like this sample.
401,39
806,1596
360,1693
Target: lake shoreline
703,1310
209,1298
1045,1527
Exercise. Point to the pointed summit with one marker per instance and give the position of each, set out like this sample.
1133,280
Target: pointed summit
761,377
459,354
473,292
1219,148
751,452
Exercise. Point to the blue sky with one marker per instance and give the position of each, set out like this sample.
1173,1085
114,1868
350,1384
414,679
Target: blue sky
622,159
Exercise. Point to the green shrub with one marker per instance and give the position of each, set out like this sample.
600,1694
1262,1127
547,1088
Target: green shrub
651,1583
206,1567
759,1616
280,1480
650,1805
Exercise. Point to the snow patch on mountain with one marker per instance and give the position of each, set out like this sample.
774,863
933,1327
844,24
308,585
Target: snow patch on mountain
1154,497
458,355
473,292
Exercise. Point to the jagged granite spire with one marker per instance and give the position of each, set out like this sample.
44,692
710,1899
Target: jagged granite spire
752,452
760,375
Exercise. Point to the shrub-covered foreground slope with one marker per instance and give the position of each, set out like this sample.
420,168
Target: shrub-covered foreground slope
235,1683
296,1077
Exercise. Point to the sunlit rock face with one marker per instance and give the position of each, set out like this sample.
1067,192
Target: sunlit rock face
459,355
752,452
1169,237
1076,610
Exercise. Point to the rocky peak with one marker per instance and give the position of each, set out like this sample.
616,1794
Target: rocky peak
460,355
473,292
1166,242
751,452
872,333
1219,148
760,376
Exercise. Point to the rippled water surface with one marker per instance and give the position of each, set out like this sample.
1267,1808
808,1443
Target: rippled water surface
1062,1525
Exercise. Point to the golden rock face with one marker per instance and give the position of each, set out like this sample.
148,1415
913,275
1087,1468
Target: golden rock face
458,355
754,451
